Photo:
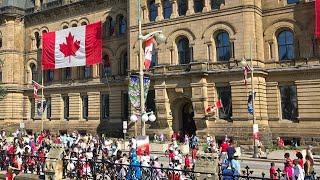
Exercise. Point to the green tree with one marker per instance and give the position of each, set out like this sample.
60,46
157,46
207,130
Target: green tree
3,91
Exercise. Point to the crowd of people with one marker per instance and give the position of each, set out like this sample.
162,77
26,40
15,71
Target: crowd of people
296,169
28,152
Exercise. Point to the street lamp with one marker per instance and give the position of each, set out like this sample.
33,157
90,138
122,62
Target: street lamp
244,63
160,38
144,118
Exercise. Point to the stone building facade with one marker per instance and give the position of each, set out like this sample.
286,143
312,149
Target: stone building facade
199,63
75,96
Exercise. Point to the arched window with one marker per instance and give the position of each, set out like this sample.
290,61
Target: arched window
44,31
109,26
215,4
106,66
286,45
167,9
182,7
83,23
198,6
122,25
65,27
74,25
124,64
183,50
223,47
34,72
153,10
38,39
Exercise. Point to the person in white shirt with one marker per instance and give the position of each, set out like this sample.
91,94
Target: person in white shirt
298,172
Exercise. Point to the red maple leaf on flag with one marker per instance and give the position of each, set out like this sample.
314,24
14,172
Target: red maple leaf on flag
70,47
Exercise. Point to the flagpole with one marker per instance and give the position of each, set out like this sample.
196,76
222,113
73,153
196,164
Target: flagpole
42,96
253,100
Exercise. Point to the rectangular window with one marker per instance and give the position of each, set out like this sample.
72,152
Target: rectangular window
154,58
85,107
66,108
32,108
224,94
48,104
49,75
105,106
125,105
292,1
150,103
67,73
1,75
87,71
289,102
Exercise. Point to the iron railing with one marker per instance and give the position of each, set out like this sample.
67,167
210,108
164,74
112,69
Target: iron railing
105,168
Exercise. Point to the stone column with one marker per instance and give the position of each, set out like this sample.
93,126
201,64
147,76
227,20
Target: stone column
94,105
164,114
174,9
145,14
160,10
190,7
308,105
199,101
207,6
95,71
240,93
75,106
212,97
273,99
56,107
37,5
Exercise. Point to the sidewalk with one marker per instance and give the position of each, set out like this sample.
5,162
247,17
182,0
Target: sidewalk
248,157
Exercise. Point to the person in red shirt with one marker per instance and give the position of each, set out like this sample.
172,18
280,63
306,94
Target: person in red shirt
171,155
300,159
224,146
223,151
194,155
273,172
187,162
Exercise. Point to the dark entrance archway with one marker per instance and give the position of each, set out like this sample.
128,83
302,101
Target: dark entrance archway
188,125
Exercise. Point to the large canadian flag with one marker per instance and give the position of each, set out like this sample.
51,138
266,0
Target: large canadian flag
77,46
317,19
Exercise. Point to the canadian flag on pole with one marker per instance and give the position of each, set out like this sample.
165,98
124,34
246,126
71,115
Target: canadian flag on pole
36,87
78,46
148,52
317,19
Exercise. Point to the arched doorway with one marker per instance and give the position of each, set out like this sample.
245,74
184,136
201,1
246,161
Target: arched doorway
187,114
183,116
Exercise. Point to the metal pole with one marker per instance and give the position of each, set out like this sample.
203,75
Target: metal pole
143,130
42,96
253,100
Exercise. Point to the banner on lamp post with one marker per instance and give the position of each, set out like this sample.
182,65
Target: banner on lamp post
255,131
143,145
124,126
134,90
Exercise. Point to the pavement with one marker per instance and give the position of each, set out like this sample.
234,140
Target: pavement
257,165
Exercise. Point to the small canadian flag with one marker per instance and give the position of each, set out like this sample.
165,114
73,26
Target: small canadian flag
77,46
36,87
148,52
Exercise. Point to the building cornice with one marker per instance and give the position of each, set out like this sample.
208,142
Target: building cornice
197,17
